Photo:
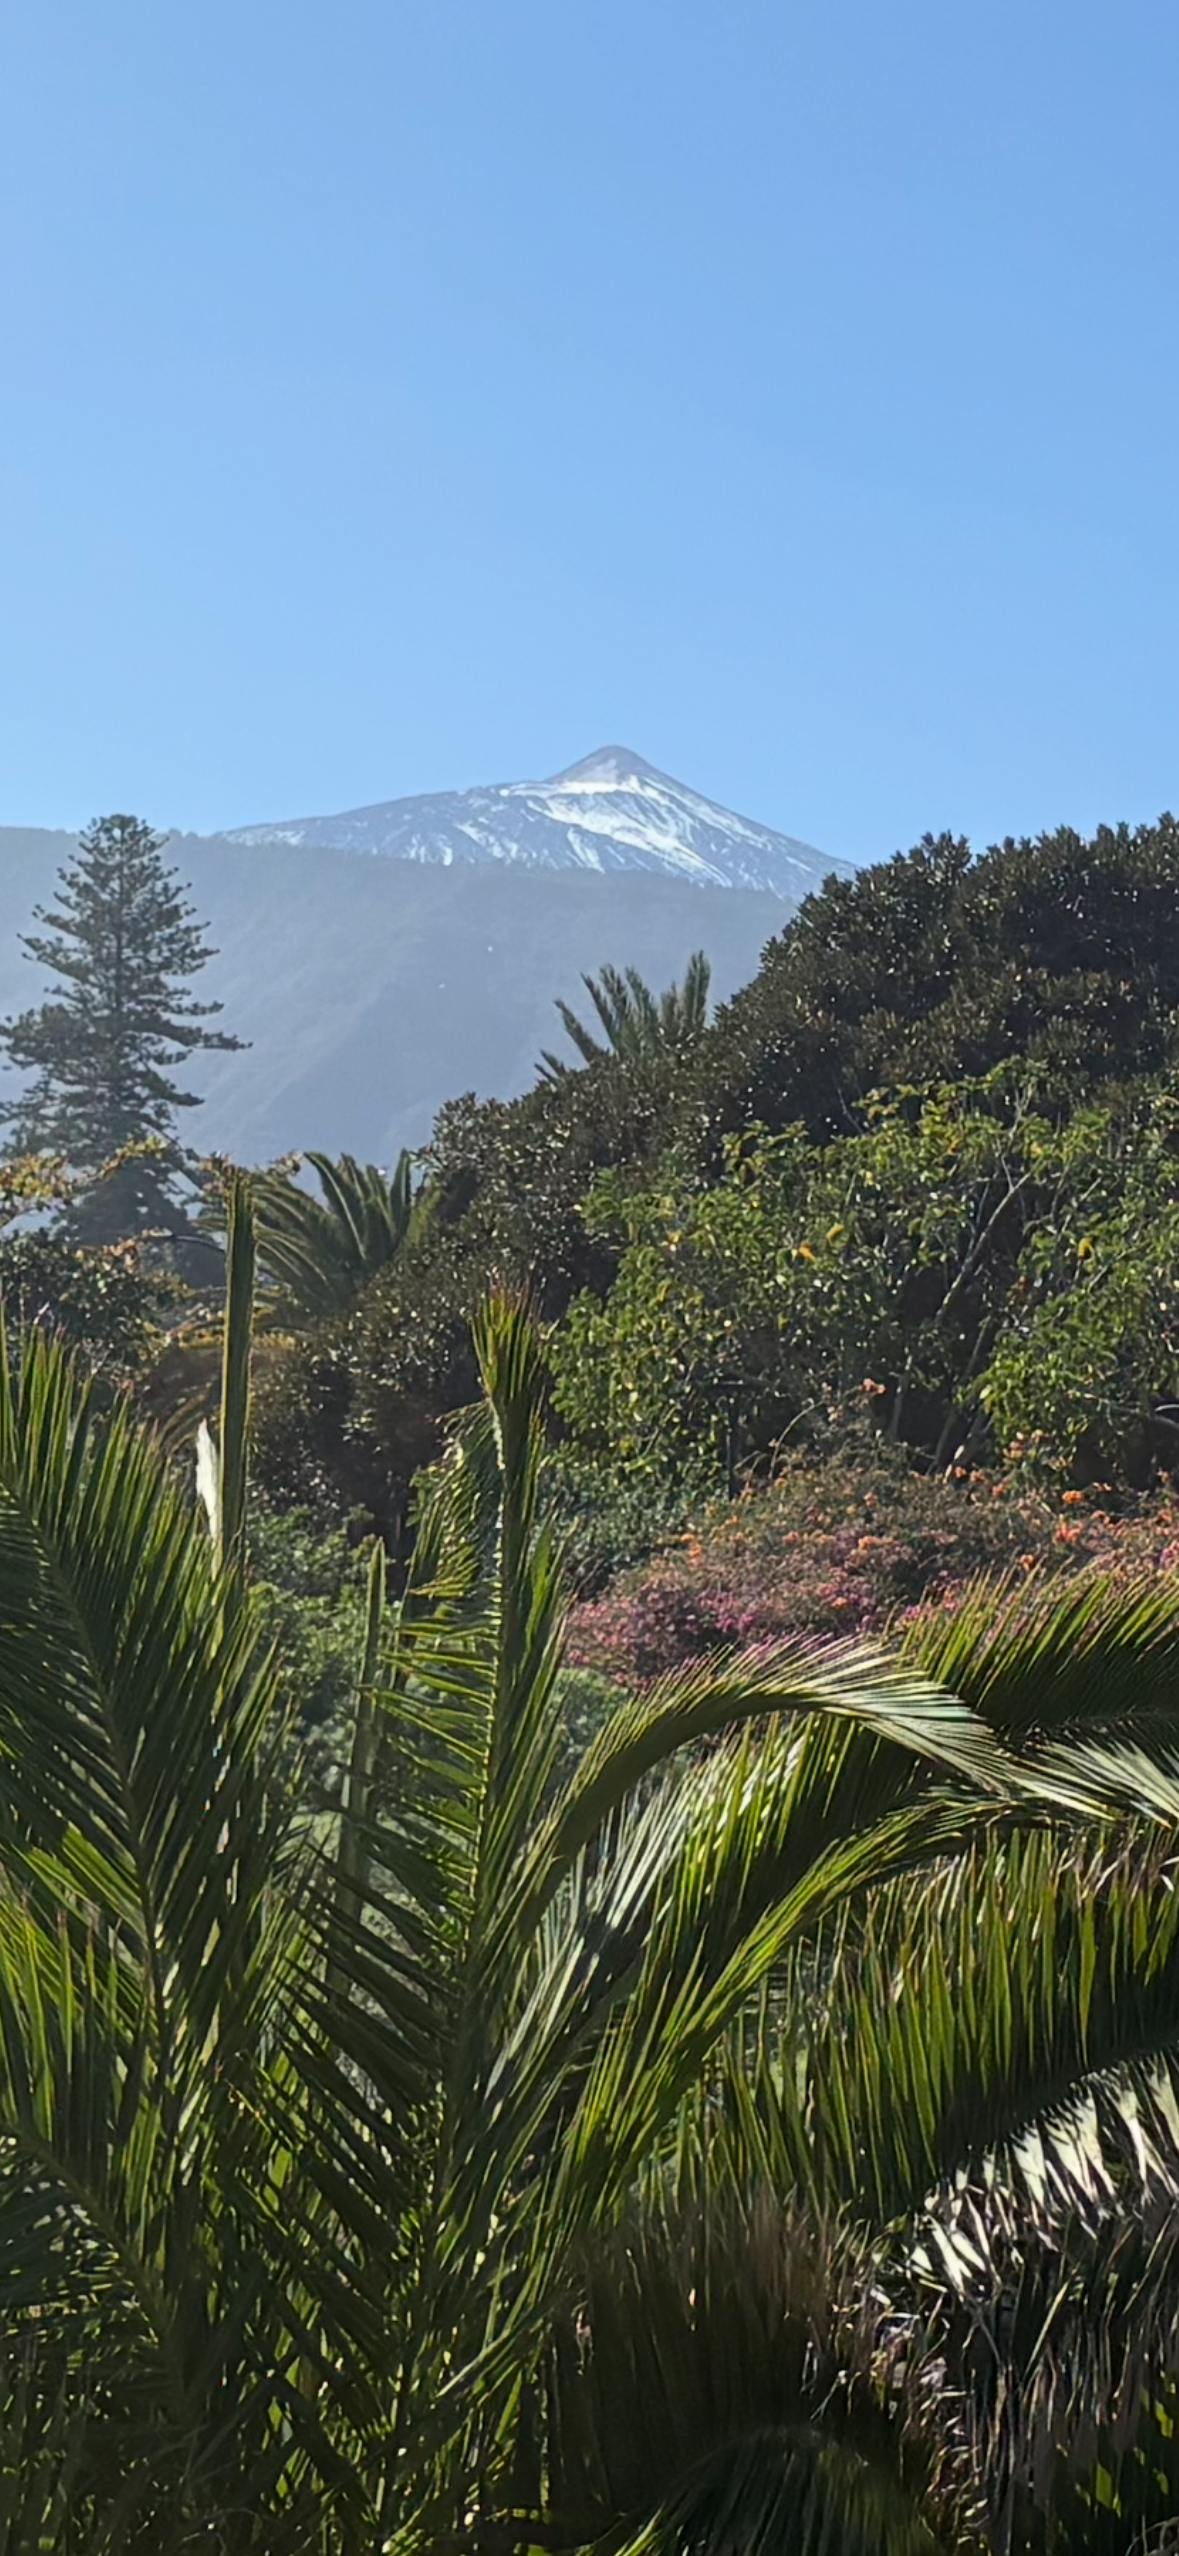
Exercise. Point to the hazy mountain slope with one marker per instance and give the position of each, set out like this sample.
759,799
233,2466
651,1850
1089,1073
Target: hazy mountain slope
612,812
373,990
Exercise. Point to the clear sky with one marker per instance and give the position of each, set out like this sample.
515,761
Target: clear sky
404,393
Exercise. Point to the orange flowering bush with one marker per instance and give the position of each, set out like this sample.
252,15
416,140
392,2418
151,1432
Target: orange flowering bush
840,1549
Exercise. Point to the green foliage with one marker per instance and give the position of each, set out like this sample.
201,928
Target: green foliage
137,1932
933,2177
1086,1365
613,1521
99,1300
298,2137
122,944
972,1269
933,966
587,1701
309,1451
1041,979
449,2102
737,2394
309,1595
347,1421
659,2142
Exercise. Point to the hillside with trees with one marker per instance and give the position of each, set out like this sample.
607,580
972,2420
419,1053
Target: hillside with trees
589,1957
914,1185
372,988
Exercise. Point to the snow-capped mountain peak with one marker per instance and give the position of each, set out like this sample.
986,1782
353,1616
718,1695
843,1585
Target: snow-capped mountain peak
611,763
612,811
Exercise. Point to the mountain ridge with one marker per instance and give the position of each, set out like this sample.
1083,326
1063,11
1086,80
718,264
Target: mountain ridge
372,989
612,811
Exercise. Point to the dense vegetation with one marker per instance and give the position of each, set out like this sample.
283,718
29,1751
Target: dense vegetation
511,2036
677,2147
917,1180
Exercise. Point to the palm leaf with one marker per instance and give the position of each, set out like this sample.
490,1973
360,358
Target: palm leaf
637,1023
144,1942
321,1252
725,2381
1096,1658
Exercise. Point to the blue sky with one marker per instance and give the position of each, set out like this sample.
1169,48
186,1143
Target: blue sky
404,393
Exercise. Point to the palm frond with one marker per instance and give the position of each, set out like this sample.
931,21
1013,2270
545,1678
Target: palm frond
1002,2006
1056,2331
724,2380
1096,1658
637,1023
321,1252
145,1940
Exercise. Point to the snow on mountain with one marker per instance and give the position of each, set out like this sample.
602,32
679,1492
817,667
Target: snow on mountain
611,812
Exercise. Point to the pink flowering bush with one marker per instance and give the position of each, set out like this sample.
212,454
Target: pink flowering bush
851,1550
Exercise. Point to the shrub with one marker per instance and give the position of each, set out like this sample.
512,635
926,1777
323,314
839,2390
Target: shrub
100,1300
987,1273
843,1549
310,1588
587,1700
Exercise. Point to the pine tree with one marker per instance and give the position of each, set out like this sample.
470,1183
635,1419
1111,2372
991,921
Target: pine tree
123,943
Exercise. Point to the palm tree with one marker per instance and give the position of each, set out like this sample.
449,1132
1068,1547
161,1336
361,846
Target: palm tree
413,2179
908,2274
315,1257
320,1253
301,2126
638,1024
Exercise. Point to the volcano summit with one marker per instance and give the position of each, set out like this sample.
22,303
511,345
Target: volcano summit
613,812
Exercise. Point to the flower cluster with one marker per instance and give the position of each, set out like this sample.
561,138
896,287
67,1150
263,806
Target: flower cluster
851,1551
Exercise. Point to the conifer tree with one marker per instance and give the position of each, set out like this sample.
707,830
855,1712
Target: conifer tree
123,943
